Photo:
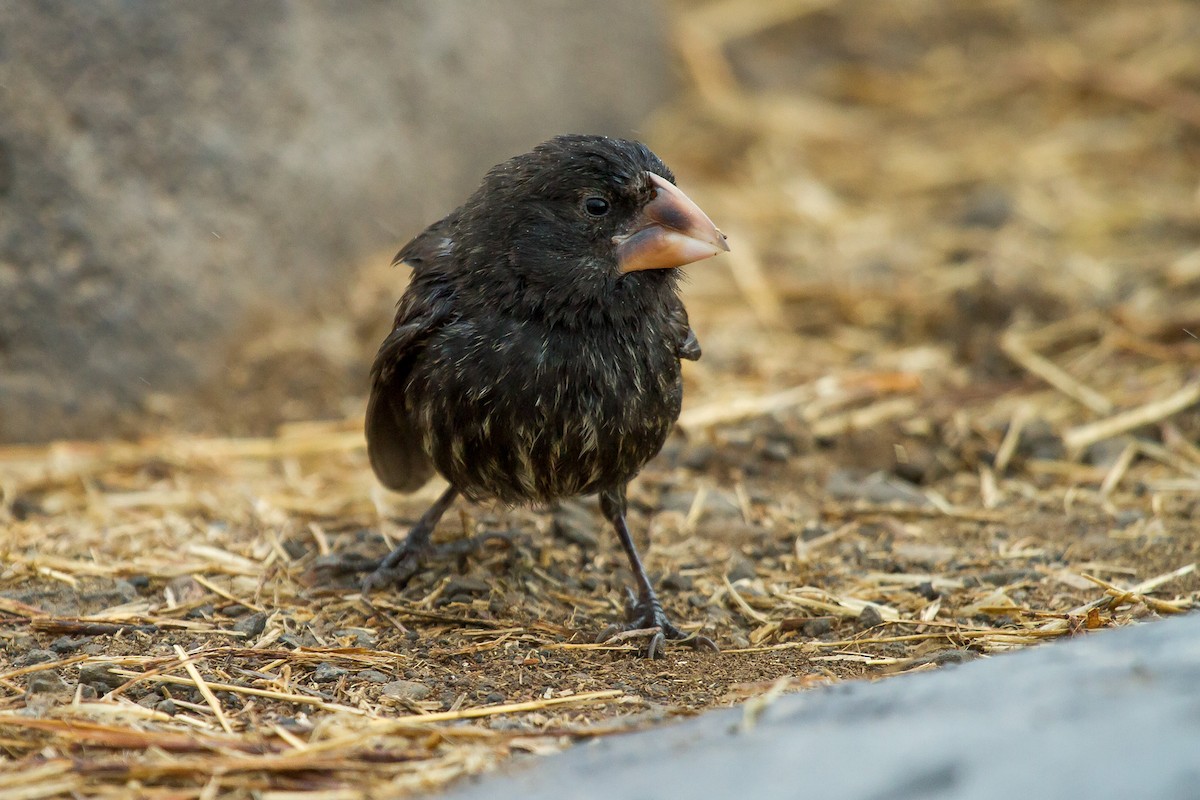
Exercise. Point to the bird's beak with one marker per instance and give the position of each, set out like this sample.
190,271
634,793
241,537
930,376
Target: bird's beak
670,231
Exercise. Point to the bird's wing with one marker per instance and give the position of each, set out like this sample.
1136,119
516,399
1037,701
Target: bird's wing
394,444
394,440
687,346
430,246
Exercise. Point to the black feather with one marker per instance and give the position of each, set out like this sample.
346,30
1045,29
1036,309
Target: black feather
395,444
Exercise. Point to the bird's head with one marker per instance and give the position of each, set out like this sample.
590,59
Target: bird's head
582,213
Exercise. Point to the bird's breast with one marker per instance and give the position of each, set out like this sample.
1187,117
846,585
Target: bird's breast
526,414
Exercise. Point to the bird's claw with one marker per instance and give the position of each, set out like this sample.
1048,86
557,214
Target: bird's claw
645,617
400,565
396,571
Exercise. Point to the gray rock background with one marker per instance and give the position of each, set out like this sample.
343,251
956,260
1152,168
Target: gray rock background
178,181
1114,715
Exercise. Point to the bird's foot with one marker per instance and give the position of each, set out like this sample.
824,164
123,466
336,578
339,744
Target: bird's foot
399,566
644,616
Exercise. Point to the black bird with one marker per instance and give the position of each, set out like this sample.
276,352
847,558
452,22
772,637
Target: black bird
535,354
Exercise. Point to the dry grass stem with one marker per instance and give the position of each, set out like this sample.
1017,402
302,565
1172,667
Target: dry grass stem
1016,349
1076,439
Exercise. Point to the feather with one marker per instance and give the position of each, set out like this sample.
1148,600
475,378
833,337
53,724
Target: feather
394,440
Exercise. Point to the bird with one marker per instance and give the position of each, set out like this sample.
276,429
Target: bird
535,353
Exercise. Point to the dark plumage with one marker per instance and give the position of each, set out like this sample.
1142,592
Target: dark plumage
535,354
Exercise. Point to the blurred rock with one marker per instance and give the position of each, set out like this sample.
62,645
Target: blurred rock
869,617
327,673
409,690
1040,442
740,568
100,675
817,626
175,182
576,523
986,207
252,625
46,682
874,487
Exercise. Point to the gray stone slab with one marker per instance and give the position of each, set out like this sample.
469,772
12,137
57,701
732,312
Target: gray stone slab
176,176
1114,714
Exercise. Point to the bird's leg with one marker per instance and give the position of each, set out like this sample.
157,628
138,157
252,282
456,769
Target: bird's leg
643,610
402,563
399,566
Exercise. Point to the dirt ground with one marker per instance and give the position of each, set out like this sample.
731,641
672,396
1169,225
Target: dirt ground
947,409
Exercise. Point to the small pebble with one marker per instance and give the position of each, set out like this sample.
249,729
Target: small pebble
740,568
817,626
22,642
1007,577
870,617
986,207
717,502
372,676
1040,442
699,457
34,656
46,682
23,507
185,589
778,452
874,487
304,639
1104,454
327,673
67,644
576,524
677,583
205,611
100,675
408,690
252,625
927,591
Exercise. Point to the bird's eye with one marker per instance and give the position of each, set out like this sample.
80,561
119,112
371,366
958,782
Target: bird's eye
596,206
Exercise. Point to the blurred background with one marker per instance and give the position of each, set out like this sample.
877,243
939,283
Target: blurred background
199,202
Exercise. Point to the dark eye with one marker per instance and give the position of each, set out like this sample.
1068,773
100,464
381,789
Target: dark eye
596,206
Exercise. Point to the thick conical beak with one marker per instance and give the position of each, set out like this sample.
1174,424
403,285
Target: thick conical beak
670,231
